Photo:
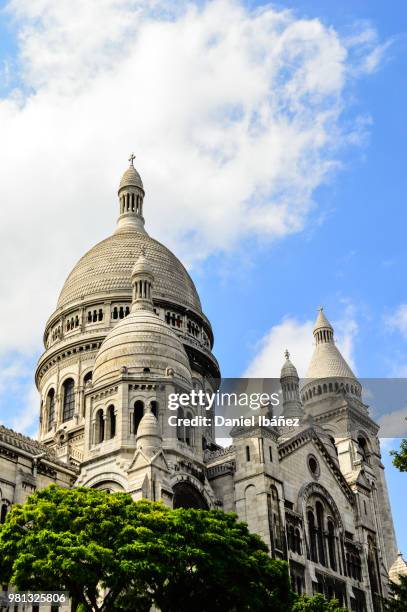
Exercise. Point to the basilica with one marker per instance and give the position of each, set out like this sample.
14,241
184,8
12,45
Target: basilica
127,332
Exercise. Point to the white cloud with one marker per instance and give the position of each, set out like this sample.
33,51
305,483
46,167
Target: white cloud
19,399
290,333
10,373
235,117
25,418
393,424
397,321
297,337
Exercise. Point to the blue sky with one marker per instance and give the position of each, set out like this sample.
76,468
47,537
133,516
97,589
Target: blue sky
349,252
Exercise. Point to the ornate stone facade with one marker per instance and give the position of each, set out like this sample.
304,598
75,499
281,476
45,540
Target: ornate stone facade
128,331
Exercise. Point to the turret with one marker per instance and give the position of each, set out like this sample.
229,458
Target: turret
328,372
149,439
290,385
142,279
131,198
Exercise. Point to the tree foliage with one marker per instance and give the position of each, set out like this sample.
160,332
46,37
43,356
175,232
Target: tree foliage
397,601
318,603
114,554
400,457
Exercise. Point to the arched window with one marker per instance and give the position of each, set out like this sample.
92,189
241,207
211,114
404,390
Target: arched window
320,533
68,400
247,453
297,542
100,426
331,544
3,512
189,432
137,415
373,566
50,409
87,378
180,424
363,448
312,536
111,421
290,537
154,408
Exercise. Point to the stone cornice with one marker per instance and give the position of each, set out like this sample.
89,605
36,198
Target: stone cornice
18,444
352,411
257,431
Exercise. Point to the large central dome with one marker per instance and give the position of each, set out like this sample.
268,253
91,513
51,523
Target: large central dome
106,269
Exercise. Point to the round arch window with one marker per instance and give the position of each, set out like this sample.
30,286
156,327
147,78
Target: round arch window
313,466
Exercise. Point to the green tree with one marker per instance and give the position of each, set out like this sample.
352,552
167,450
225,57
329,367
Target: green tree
318,603
400,457
397,601
114,554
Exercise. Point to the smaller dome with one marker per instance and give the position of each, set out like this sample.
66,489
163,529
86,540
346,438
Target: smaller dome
143,344
131,178
288,369
399,568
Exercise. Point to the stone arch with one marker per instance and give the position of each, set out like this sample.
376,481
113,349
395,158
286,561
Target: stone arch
197,484
87,376
186,495
107,477
315,488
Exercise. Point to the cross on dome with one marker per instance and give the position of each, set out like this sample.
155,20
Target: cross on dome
131,159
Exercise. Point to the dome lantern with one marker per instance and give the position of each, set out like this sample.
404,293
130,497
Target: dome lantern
323,330
142,280
131,197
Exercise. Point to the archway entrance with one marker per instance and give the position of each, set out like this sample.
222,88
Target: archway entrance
187,496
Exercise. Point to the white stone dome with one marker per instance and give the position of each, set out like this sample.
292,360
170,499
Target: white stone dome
288,370
141,343
131,178
106,270
327,362
399,568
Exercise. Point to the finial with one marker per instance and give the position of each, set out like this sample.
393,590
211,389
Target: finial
320,308
131,159
286,354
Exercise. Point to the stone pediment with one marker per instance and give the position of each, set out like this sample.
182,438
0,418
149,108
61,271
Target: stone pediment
141,460
310,436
